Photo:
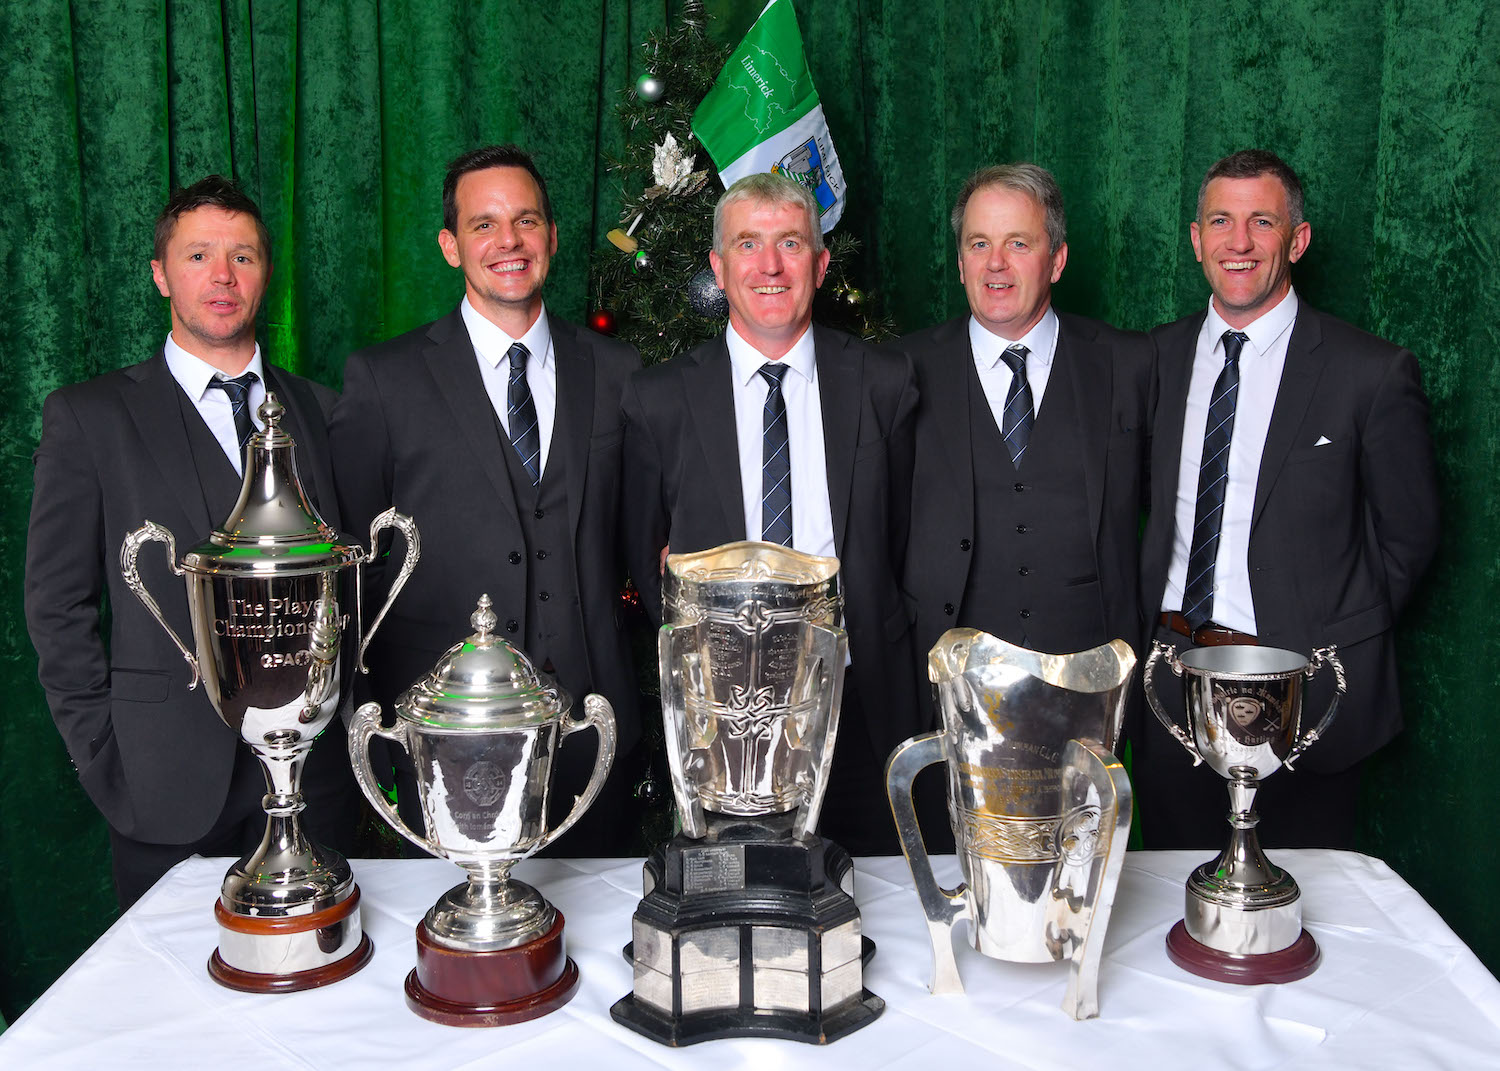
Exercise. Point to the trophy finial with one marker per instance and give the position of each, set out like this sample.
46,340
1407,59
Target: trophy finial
483,618
271,410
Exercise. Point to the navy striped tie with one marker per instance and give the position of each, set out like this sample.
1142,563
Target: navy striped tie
776,462
238,390
1016,426
521,415
1213,481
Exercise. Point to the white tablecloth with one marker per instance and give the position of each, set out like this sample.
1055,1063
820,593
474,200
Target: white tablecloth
1396,989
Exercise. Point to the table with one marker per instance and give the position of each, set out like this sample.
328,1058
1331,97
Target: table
1396,989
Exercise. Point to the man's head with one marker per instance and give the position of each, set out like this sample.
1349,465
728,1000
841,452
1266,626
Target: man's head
211,258
1249,232
769,259
1012,245
498,228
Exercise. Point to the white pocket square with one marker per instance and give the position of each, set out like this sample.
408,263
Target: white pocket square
1323,440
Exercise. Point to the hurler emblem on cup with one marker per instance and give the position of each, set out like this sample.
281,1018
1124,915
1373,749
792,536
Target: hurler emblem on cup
1040,806
1243,918
269,599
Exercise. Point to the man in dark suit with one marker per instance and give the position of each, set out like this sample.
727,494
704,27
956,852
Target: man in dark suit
697,469
497,430
1031,440
1293,504
162,440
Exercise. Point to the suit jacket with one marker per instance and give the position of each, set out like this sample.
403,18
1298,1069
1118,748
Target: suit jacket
1340,532
414,429
1111,373
682,485
154,757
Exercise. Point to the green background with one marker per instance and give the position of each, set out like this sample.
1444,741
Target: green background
338,116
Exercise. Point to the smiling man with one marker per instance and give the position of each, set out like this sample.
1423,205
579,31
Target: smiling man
794,434
1293,504
1031,440
497,429
164,439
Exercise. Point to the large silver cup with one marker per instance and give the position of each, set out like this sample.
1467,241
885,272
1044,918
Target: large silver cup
482,729
1243,918
268,595
752,674
1040,806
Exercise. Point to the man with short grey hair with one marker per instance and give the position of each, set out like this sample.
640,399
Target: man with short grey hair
785,432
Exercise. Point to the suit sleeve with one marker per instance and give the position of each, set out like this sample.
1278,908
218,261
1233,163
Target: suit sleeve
65,562
1400,478
359,447
645,523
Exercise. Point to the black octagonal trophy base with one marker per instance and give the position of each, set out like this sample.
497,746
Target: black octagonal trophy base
747,932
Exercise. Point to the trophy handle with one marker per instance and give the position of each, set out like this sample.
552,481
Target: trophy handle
943,907
830,647
1092,776
151,532
600,716
1159,651
365,724
1323,656
408,528
673,644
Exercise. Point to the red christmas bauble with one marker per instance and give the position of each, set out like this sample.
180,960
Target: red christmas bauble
602,321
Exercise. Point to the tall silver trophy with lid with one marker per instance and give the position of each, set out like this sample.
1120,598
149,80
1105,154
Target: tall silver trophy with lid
272,595
482,730
1040,806
748,925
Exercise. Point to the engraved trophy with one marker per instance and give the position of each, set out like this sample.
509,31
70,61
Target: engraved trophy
748,924
1243,918
1039,804
268,596
482,729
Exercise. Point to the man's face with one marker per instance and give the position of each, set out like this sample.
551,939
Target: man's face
504,244
769,272
1247,245
214,274
1006,262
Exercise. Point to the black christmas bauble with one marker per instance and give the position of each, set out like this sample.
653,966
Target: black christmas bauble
705,296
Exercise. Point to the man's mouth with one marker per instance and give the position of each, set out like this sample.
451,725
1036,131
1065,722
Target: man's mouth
1238,265
508,266
999,286
770,289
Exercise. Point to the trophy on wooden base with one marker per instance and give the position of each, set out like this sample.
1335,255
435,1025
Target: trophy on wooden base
268,594
748,925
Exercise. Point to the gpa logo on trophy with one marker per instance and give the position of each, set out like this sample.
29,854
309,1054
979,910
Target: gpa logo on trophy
804,165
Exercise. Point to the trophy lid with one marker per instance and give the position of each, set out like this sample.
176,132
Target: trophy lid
483,682
273,528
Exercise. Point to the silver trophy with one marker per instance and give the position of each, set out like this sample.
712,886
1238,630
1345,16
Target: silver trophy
1243,921
482,729
268,596
748,924
1039,804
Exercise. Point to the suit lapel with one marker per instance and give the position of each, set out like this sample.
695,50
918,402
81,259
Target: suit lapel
708,384
1300,374
152,402
1087,365
1177,349
451,360
573,424
840,392
947,385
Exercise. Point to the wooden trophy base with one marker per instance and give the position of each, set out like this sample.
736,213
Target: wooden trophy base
1297,960
322,942
511,985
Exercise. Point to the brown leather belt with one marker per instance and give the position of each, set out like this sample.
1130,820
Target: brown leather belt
1207,634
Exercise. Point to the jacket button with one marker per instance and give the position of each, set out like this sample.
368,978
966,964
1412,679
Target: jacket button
964,544
541,555
514,557
1025,613
540,514
1025,570
512,625
544,595
1020,487
1021,529
948,609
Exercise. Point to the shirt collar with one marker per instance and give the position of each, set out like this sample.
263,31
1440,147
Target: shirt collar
194,373
746,360
1040,342
1264,330
492,344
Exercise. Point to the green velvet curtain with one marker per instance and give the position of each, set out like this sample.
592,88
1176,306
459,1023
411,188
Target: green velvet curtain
338,115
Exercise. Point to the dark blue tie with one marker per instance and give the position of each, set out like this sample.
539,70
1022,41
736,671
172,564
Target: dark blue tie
1213,481
1016,425
521,413
776,462
238,390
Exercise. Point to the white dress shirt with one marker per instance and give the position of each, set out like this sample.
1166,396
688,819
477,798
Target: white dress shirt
193,375
995,375
1261,362
491,345
812,518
